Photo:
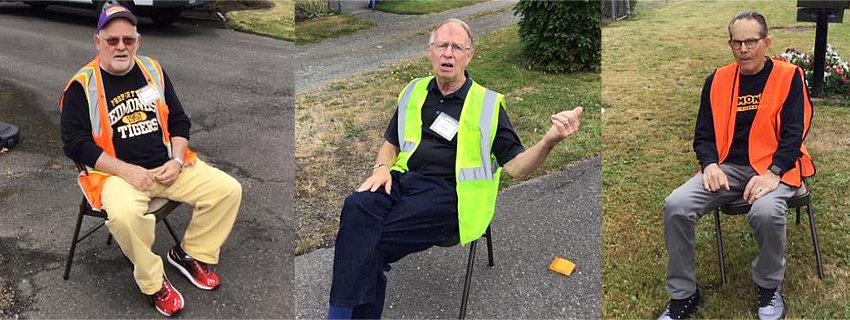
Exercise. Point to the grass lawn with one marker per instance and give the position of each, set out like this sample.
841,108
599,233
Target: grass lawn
653,68
422,6
276,22
318,29
340,126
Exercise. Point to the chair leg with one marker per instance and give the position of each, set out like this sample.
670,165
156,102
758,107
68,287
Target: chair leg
798,216
719,234
489,248
810,210
171,231
74,242
468,280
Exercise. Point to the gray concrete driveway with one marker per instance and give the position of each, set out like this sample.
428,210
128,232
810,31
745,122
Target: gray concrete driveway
237,89
554,215
394,38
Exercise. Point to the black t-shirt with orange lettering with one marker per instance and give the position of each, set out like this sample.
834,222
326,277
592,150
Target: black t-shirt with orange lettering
749,95
136,131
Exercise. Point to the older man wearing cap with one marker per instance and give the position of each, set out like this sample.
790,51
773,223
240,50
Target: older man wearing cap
122,119
435,177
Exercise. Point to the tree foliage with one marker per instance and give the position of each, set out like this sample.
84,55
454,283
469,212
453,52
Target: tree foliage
561,36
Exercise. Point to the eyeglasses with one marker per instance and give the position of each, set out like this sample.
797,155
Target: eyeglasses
750,43
443,46
128,41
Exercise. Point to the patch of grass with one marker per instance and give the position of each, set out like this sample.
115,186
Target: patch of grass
653,68
318,29
333,162
7,302
276,22
422,6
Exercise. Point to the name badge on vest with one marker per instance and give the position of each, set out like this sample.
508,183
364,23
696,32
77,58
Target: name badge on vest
445,126
147,94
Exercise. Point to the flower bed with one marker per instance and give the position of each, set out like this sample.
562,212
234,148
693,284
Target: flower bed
834,74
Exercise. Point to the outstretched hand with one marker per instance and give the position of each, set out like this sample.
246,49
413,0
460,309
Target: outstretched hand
564,124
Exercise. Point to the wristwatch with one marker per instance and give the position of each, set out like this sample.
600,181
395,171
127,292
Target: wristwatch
775,169
378,165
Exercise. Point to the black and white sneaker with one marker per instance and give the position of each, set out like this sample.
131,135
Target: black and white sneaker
197,272
771,304
682,308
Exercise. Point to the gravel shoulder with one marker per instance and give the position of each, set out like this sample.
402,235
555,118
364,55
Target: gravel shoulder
401,37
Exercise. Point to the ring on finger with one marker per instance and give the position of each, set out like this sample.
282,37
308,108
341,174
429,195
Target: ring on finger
566,122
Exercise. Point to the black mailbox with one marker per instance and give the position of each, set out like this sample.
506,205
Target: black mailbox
821,12
807,10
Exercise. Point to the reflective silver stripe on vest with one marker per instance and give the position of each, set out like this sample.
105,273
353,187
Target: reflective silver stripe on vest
487,169
94,100
406,146
148,64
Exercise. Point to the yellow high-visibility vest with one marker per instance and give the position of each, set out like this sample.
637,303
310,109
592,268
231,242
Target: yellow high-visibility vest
476,170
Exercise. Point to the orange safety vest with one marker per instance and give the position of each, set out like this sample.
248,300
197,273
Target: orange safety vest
91,181
766,128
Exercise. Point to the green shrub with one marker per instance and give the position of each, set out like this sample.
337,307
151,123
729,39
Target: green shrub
308,9
561,36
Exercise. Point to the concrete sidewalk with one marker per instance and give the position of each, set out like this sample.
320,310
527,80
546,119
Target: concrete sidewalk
554,215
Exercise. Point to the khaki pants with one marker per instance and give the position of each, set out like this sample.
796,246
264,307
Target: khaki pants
215,197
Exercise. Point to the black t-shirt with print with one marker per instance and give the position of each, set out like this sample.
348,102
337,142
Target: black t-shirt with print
435,155
749,94
136,132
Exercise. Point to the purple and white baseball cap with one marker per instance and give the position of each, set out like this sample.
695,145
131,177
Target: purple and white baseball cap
114,11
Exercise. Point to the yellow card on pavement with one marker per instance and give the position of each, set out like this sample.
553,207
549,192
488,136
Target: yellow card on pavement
562,266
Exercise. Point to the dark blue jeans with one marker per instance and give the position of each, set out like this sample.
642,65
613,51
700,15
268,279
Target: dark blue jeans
376,229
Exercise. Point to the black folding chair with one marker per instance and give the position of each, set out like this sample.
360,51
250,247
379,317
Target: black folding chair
469,264
802,198
159,207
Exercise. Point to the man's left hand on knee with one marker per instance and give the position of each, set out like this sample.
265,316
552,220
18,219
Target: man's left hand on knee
760,185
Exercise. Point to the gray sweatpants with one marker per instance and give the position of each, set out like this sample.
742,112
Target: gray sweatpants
685,205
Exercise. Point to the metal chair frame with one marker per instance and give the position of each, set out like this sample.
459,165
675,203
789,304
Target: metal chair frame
795,202
86,210
467,282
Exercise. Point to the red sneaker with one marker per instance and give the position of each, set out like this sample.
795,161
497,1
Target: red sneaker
197,272
167,300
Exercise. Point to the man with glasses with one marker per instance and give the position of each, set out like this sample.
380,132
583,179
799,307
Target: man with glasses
121,118
436,175
752,120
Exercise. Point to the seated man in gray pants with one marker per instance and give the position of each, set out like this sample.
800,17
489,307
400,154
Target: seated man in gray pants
752,149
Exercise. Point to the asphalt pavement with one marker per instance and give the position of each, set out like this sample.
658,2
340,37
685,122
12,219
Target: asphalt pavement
237,89
557,215
394,38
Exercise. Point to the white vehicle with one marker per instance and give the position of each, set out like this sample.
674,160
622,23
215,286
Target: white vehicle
162,12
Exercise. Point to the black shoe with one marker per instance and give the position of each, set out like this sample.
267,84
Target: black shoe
682,308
